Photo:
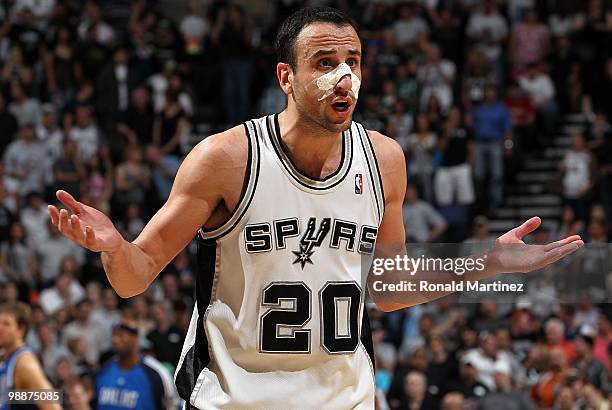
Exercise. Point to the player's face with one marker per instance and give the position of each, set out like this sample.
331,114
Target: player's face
9,330
319,49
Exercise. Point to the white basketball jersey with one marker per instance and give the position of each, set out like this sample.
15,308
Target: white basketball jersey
279,320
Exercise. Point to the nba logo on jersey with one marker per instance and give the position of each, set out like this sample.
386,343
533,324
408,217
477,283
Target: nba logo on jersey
358,184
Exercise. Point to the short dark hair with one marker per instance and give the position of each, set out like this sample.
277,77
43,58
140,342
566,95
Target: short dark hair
293,25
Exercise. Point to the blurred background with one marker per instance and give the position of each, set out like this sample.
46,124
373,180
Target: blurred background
503,111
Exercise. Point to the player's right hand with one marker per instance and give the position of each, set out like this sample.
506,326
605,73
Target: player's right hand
86,226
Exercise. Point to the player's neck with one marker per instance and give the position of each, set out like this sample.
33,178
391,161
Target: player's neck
129,360
314,150
11,347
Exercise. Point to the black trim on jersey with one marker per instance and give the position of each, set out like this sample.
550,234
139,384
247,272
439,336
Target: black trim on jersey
247,181
382,188
157,385
198,356
366,336
371,173
275,135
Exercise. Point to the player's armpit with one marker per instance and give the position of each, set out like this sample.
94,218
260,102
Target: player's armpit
210,174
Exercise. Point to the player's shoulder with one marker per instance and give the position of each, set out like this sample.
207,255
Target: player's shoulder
228,146
389,153
391,164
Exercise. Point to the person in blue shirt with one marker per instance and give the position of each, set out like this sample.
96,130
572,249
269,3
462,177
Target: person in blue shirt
19,367
132,380
492,134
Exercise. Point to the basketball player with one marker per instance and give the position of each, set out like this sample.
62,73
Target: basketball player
285,207
19,367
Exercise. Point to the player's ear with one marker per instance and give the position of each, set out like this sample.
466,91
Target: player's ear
284,73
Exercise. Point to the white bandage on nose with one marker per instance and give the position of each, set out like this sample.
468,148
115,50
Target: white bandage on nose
327,82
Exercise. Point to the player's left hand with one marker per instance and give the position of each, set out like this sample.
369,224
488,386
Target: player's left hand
511,254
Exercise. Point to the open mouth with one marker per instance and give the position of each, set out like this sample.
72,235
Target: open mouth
341,106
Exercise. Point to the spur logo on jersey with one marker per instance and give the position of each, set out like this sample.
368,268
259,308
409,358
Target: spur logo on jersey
266,237
358,184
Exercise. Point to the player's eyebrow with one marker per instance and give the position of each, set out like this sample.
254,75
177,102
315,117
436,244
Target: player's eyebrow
323,52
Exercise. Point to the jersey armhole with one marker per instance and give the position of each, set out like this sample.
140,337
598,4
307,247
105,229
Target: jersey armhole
374,170
248,189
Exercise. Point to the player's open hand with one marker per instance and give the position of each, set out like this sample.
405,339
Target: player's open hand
511,254
86,226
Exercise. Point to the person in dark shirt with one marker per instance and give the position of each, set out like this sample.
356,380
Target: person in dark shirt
8,125
166,338
466,383
137,126
170,125
67,170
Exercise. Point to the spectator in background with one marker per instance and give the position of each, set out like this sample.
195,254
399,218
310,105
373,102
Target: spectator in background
49,133
555,338
194,29
163,170
52,251
166,338
92,22
84,327
504,396
529,41
476,76
78,395
26,110
467,383
85,133
113,87
568,225
137,126
33,217
232,31
576,168
62,68
68,172
488,359
453,401
523,116
453,181
133,380
492,127
589,368
544,391
400,124
541,90
416,396
488,30
132,224
18,261
25,160
421,145
409,26
170,126
6,215
8,124
423,223
603,340
107,316
436,77
98,184
66,292
132,179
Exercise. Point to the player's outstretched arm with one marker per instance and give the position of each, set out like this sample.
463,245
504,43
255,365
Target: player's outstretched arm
29,375
198,189
508,255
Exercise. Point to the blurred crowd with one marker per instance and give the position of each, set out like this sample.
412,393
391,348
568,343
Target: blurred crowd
104,98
